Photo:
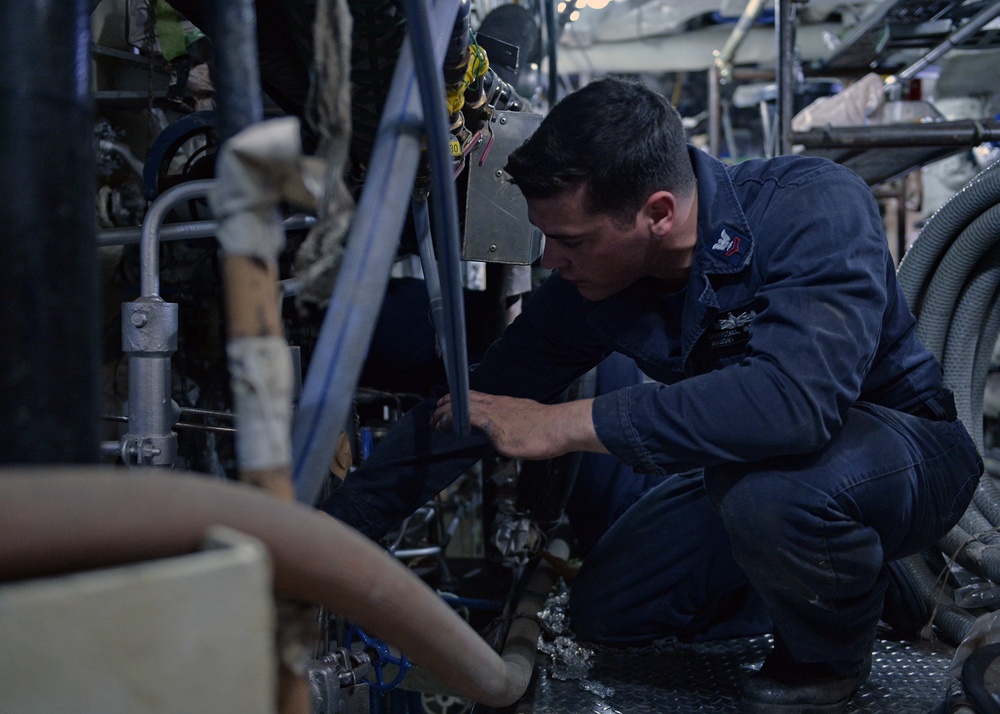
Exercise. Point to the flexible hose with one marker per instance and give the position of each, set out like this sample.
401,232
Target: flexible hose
954,622
922,259
59,520
445,214
937,308
947,277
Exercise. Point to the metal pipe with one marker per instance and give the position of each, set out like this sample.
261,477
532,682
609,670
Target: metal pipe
714,109
521,643
49,331
552,44
237,75
188,230
357,296
428,264
55,521
725,56
963,132
977,22
149,245
785,30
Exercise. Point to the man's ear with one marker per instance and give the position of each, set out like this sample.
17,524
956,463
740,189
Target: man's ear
661,211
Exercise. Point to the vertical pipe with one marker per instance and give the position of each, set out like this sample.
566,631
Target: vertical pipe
49,349
714,110
371,245
236,76
785,30
449,248
552,43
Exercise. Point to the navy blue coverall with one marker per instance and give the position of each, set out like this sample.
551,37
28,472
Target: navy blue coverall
797,419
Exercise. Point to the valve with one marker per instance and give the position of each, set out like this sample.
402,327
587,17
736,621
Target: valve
381,656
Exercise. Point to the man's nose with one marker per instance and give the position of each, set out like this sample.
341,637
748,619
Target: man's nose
552,257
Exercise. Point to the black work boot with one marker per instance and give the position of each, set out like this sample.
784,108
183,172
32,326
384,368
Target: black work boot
786,687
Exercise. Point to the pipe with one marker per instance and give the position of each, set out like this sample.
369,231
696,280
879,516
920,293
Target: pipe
962,132
421,221
552,45
724,57
714,109
449,242
982,18
521,642
785,30
350,318
149,338
149,245
188,230
56,521
49,331
257,169
237,75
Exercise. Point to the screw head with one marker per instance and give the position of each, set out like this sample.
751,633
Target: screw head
493,248
140,319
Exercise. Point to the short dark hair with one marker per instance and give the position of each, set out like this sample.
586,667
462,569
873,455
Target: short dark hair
619,138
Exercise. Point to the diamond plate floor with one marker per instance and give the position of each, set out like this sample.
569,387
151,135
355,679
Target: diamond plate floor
906,678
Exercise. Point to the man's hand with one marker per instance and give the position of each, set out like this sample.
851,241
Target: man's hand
526,429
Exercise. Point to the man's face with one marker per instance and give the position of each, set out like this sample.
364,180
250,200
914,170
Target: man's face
591,251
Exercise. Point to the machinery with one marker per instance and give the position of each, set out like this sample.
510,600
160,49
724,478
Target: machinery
302,224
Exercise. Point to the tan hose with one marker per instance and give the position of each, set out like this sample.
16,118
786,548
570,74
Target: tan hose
56,520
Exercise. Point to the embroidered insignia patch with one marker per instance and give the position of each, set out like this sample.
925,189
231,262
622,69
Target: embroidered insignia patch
731,328
730,246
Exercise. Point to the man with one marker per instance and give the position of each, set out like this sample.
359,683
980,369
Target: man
799,424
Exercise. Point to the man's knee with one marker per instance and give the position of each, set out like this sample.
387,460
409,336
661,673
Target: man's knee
759,509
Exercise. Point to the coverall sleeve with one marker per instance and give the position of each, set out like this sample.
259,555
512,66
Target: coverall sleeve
539,355
822,298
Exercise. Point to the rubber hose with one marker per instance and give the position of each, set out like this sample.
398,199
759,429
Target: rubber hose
56,521
947,222
953,621
976,524
937,306
974,678
971,553
964,335
987,495
521,642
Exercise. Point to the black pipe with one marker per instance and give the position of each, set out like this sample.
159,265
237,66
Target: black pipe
786,74
236,75
552,42
48,275
963,132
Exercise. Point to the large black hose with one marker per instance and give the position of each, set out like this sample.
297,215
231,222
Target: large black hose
951,280
922,259
49,349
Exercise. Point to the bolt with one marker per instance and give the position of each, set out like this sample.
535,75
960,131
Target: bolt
139,319
503,120
499,173
493,248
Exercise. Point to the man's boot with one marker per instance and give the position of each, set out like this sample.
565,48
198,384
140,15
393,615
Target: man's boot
783,686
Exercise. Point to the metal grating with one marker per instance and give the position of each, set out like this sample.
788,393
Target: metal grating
906,678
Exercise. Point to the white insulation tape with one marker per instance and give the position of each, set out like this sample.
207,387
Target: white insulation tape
261,377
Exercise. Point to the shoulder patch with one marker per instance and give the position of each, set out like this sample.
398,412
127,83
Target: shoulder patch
730,246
